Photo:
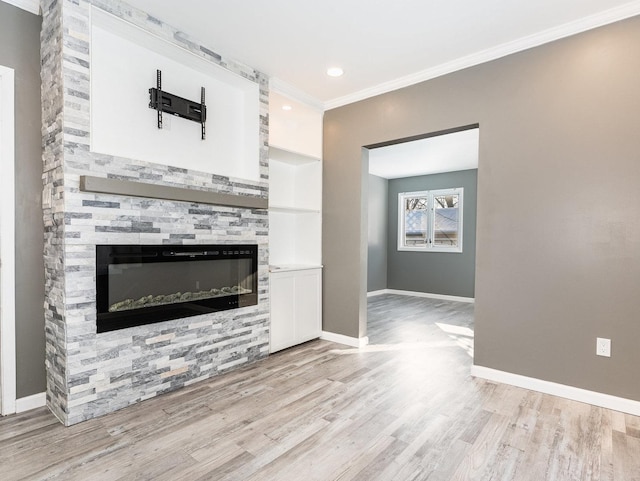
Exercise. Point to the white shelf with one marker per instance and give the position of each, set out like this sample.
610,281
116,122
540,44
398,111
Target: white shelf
287,156
294,238
292,210
293,267
295,186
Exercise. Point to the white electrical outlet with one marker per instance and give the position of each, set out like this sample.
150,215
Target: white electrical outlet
603,347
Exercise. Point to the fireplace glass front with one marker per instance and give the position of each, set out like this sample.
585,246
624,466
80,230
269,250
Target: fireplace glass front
143,284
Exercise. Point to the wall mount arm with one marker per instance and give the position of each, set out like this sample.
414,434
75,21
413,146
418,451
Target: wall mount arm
178,106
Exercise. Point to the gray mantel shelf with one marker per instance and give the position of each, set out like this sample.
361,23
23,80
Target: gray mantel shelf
131,188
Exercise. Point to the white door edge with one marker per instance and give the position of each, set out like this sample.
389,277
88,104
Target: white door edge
7,245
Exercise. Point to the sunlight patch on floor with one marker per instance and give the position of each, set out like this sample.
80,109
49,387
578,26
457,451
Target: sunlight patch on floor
401,346
463,336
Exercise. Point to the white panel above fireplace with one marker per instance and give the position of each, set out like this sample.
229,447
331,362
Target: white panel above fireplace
124,60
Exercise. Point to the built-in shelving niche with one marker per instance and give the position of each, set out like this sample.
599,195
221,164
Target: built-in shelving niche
294,209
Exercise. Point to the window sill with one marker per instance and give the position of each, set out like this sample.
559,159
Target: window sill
430,249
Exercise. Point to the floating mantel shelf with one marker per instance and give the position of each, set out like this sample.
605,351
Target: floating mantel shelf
131,188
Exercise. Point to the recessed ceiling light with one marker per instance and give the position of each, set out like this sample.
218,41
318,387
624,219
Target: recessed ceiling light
286,107
334,72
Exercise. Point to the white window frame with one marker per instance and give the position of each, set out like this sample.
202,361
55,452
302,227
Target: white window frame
430,195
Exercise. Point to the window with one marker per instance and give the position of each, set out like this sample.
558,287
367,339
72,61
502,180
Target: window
430,221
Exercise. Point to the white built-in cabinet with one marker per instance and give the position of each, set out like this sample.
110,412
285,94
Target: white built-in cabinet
295,221
295,307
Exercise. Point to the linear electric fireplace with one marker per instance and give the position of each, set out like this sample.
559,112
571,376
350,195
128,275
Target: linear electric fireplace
143,284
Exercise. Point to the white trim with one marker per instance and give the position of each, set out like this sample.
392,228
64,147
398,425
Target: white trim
377,293
31,402
556,33
628,406
346,340
32,6
7,245
443,297
430,195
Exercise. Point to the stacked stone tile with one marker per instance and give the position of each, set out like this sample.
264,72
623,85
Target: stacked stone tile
91,374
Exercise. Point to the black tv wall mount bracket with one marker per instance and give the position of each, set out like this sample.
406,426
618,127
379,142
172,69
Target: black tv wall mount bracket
174,105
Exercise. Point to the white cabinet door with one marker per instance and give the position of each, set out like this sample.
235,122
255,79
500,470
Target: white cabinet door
307,305
282,311
295,307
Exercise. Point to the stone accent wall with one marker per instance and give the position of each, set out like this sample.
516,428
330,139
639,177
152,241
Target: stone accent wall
91,374
53,205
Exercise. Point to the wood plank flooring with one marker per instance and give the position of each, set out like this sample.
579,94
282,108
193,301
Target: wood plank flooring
404,408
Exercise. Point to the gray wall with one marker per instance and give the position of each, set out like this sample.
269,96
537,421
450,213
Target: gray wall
558,237
448,273
20,50
377,237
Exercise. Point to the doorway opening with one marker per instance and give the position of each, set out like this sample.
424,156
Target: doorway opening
421,218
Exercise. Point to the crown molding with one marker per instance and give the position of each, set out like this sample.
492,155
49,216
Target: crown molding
612,15
294,93
32,6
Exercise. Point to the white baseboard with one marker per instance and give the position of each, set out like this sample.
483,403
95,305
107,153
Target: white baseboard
569,392
31,402
346,340
377,293
421,294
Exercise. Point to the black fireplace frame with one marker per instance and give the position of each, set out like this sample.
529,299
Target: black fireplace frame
126,254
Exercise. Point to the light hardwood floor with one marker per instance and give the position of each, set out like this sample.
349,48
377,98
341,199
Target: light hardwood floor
404,408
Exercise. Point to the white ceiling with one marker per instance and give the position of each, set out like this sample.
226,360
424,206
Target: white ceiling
380,44
433,155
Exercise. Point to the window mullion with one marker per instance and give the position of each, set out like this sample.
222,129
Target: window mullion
431,221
